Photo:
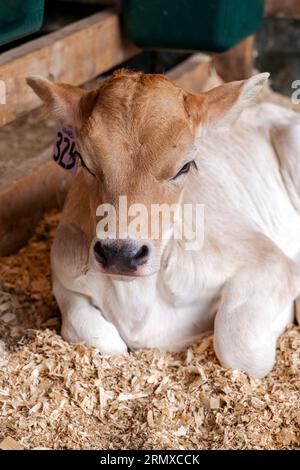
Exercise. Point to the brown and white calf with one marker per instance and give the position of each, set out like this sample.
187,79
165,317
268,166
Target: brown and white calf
138,135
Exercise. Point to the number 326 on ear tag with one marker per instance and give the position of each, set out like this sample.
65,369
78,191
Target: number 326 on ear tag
64,152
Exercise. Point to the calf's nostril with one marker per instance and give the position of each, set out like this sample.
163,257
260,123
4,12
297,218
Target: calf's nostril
142,253
100,253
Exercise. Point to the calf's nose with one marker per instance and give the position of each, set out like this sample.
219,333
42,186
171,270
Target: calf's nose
121,255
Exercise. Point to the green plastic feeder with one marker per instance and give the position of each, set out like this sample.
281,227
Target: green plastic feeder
19,18
207,25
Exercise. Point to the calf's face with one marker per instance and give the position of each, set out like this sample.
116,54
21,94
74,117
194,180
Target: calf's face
138,135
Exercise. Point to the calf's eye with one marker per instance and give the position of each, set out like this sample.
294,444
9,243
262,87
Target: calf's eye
185,169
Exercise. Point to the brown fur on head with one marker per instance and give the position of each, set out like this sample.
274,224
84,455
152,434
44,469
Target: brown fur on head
137,131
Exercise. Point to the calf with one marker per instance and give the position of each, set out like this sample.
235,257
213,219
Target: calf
142,137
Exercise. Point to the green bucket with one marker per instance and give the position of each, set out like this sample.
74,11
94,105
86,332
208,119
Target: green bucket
206,25
19,18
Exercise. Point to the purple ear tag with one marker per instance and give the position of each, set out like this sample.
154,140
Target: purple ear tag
64,152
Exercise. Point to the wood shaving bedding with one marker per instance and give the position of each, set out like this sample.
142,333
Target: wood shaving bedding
61,396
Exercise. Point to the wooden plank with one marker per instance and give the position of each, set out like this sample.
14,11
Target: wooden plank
74,54
283,9
38,184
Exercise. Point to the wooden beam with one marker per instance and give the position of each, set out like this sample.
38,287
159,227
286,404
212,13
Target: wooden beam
74,54
24,201
237,63
283,9
195,74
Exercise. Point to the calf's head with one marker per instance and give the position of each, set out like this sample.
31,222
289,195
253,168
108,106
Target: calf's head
139,136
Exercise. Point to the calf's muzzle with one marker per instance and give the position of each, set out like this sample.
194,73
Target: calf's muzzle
121,256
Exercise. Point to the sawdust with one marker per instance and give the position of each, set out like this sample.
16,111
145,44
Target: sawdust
62,396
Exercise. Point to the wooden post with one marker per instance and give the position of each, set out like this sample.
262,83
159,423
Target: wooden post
283,8
237,63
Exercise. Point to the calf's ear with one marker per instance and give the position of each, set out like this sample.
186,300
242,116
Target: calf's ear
221,106
68,104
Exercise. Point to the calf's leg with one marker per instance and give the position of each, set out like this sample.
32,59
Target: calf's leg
256,306
82,322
